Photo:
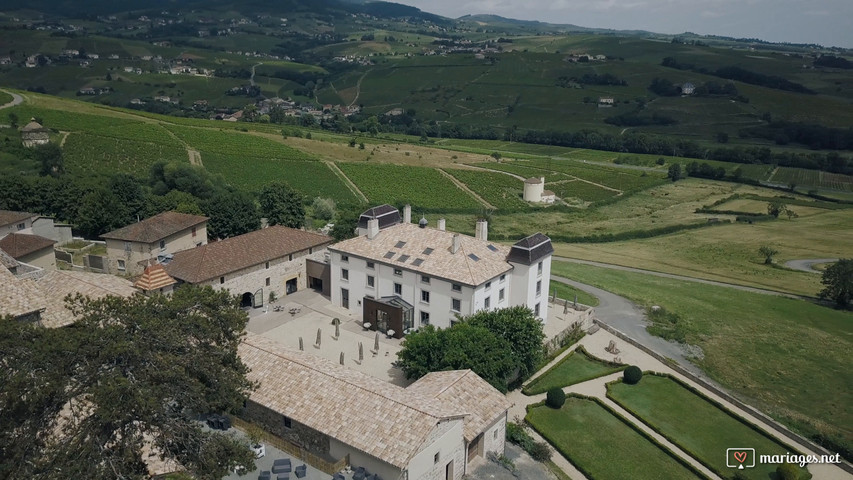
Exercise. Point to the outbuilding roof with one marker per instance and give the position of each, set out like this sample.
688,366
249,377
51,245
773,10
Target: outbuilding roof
530,249
154,278
8,217
19,245
236,253
156,228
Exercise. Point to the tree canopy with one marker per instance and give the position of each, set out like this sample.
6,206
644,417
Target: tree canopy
80,402
281,205
496,345
838,282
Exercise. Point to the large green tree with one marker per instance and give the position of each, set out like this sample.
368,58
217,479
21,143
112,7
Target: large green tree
281,205
81,402
838,282
231,214
521,330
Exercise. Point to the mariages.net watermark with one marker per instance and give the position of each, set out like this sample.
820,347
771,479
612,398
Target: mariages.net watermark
741,458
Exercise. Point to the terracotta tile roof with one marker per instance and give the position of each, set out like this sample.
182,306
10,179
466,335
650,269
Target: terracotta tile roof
153,278
18,296
376,417
59,283
156,228
236,253
466,393
8,217
7,261
476,261
20,244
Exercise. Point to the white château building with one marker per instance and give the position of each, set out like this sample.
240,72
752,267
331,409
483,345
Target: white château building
402,276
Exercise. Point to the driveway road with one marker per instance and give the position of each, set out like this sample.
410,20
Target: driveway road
807,265
16,100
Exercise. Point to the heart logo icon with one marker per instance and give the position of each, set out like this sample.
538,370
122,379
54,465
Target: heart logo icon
740,456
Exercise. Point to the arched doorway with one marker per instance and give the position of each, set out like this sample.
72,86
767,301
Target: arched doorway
247,300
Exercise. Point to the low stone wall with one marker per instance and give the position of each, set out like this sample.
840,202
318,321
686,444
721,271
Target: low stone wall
727,397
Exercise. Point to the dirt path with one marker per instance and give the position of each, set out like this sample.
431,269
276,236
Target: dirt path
64,138
464,187
487,169
252,78
358,88
808,265
195,157
353,188
16,99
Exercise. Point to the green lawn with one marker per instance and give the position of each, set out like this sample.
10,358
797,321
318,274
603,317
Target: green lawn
575,367
695,424
5,98
569,292
602,445
790,358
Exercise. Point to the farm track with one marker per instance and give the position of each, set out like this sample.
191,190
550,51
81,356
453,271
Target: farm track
349,183
195,157
358,87
16,100
464,187
64,138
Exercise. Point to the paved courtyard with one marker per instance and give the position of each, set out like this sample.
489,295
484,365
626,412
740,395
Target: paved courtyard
313,312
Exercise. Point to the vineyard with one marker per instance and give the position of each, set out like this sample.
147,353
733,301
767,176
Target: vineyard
583,191
93,155
310,178
419,186
71,121
235,143
502,191
812,179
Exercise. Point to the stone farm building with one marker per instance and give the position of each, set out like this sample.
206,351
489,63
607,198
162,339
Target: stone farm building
11,221
430,430
33,134
402,276
272,259
33,250
133,247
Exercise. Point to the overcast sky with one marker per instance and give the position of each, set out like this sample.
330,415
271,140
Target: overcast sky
827,22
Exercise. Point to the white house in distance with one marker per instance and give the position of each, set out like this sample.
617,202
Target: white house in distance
534,191
402,276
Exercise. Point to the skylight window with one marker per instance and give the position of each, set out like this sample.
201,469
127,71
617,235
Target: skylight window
417,262
403,258
492,248
473,257
390,255
427,251
400,244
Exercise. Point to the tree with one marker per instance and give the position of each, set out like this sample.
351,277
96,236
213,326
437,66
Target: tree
776,207
838,282
520,328
100,212
422,352
84,400
231,214
281,205
768,252
50,157
674,172
323,208
345,225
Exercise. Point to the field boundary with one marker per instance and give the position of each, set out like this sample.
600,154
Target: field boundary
349,183
466,189
800,440
614,367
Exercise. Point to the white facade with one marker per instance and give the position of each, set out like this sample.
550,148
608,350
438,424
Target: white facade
533,188
531,286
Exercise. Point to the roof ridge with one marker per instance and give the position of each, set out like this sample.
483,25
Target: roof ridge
309,366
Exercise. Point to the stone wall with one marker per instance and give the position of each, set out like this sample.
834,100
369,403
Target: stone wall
298,434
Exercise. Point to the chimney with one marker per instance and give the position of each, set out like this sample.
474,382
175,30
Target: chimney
482,231
456,243
441,224
407,214
372,228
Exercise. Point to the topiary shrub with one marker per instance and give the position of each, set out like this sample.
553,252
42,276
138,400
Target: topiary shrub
790,471
555,397
632,375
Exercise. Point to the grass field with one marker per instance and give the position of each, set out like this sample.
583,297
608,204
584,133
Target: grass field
310,178
5,98
695,424
502,191
602,445
235,143
575,367
569,292
419,186
787,357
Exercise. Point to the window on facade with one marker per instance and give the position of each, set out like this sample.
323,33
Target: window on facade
456,287
536,310
371,265
398,272
268,281
345,258
310,250
539,288
21,226
370,281
424,296
194,231
437,457
488,285
121,265
487,303
456,304
501,295
539,269
345,274
221,280
162,244
290,257
127,246
424,318
398,289
288,423
267,265
424,279
503,278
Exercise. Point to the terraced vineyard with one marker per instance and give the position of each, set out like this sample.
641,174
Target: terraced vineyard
72,121
93,154
235,143
502,191
812,178
310,178
419,186
624,180
583,191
